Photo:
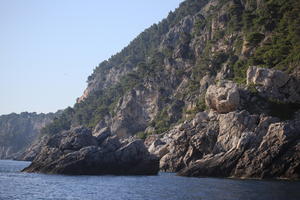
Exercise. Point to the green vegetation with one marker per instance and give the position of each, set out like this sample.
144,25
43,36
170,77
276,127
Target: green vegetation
169,115
254,39
235,14
141,135
199,25
162,121
63,122
219,59
248,20
200,104
281,50
219,35
252,88
270,29
189,7
200,107
239,69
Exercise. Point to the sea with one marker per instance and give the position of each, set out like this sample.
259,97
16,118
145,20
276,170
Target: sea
15,185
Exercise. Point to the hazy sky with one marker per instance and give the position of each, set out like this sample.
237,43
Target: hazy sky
48,48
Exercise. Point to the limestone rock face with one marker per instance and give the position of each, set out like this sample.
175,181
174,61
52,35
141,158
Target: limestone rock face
35,148
184,143
18,131
156,85
243,144
275,155
174,34
267,78
129,110
229,141
233,127
223,97
274,84
78,152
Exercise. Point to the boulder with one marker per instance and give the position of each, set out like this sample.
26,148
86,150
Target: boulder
236,144
150,139
78,152
218,165
73,140
186,143
232,126
223,97
277,155
274,84
200,117
267,78
156,145
176,149
248,146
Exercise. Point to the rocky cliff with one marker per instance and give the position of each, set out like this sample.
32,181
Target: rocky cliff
214,88
230,140
18,131
79,152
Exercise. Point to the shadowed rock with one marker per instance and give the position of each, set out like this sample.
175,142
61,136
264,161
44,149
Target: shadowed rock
77,152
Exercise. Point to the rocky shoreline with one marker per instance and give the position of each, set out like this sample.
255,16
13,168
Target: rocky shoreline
198,94
78,152
229,141
225,141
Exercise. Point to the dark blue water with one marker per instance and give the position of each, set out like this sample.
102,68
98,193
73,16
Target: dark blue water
16,185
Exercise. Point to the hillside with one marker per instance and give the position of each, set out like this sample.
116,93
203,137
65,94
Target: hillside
181,80
18,131
201,40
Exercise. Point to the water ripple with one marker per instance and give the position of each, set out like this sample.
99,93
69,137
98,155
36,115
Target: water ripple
15,185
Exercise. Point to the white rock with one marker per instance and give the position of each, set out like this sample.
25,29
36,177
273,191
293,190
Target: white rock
223,97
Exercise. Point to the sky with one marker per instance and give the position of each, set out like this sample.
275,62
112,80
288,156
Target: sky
49,48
